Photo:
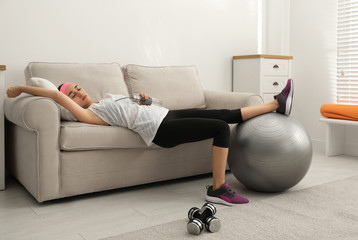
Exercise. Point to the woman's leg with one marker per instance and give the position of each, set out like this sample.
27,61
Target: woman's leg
253,111
182,126
219,154
282,104
229,116
173,132
219,158
226,115
183,130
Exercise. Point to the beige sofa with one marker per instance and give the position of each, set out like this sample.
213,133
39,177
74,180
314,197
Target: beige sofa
54,158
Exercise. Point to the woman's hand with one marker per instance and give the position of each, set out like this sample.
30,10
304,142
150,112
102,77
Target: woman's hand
145,96
13,92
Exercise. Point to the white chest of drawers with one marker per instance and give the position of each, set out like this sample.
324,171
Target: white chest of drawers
265,75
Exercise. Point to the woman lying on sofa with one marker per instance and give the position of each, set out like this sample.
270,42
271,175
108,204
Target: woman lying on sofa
166,128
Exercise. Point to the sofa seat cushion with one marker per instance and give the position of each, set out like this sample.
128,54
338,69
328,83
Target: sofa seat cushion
76,136
176,87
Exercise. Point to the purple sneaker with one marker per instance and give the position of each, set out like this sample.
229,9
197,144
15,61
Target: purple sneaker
285,98
224,195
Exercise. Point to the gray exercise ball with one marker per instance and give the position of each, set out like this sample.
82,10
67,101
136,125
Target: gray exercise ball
270,153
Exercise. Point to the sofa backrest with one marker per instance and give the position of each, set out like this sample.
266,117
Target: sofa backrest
96,78
177,87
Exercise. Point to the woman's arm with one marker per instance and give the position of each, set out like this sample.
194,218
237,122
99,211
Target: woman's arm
82,115
36,91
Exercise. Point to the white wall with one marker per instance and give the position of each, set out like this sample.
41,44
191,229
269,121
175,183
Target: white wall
313,47
277,27
206,33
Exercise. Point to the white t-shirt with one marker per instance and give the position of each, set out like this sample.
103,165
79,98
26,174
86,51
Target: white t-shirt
145,120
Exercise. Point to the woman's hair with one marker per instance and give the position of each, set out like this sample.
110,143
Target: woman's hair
62,88
59,87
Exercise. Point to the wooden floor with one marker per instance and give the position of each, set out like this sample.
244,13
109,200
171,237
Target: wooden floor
99,215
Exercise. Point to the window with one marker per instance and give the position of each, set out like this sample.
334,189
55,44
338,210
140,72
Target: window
347,59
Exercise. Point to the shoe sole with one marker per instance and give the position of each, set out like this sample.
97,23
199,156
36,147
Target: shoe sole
218,200
289,100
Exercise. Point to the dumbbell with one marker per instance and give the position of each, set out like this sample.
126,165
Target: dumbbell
203,217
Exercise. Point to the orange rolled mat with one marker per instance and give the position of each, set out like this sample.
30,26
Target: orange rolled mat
338,111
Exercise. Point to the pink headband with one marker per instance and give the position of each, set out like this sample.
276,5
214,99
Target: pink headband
64,87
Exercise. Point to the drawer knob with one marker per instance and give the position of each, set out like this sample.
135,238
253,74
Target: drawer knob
276,66
275,84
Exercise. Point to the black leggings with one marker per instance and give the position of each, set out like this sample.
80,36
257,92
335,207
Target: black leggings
191,125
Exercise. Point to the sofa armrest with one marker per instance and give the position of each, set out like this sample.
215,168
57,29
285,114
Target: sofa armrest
34,140
32,112
230,100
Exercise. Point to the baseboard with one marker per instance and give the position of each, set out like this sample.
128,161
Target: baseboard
350,149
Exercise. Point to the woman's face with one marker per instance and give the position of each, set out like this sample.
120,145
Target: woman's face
78,95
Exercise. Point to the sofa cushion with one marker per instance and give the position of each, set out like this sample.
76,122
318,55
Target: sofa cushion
97,79
43,83
81,136
176,87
